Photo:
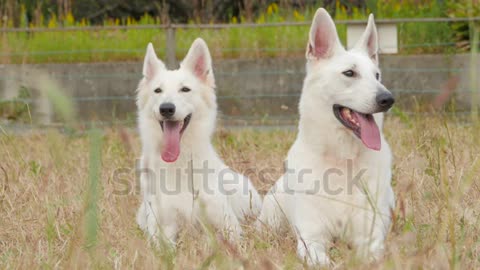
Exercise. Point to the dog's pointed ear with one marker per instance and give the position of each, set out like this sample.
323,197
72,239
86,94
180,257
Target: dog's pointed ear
199,62
323,39
151,64
369,40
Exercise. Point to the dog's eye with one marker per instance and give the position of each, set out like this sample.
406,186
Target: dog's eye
349,73
157,90
377,75
185,89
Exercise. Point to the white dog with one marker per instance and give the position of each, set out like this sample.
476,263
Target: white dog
181,174
338,178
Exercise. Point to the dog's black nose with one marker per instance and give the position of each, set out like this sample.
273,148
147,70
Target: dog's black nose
385,100
167,109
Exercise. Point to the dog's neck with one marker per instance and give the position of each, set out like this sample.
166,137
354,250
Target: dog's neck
324,138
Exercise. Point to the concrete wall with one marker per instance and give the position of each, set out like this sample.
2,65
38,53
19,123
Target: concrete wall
247,88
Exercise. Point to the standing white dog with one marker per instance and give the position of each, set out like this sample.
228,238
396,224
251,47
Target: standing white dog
338,178
181,174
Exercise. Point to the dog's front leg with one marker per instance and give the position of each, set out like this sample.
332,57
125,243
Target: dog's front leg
312,242
222,216
273,212
169,234
165,234
369,241
371,248
161,229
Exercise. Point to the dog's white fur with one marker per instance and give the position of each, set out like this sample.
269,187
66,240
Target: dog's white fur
222,197
324,150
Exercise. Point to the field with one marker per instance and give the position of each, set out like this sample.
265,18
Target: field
68,200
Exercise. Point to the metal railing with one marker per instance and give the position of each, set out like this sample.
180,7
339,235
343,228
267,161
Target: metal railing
171,29
225,25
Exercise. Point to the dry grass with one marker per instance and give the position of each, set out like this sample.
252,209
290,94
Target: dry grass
46,216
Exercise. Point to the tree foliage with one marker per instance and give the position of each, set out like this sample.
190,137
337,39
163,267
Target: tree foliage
169,11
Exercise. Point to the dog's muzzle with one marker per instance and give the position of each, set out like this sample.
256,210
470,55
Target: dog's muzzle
385,101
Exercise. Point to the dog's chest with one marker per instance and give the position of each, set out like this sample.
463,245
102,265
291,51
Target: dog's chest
338,186
327,174
180,190
337,191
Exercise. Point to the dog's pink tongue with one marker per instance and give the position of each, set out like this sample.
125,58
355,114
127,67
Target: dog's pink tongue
369,132
171,148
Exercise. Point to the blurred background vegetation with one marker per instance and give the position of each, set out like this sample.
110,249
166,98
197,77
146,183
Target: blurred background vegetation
128,44
25,13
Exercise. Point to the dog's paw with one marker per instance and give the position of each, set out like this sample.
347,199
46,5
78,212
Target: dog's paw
313,254
370,250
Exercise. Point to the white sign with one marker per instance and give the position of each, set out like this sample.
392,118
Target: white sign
387,36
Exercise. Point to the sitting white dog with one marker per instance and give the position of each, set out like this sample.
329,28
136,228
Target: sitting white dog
181,174
337,183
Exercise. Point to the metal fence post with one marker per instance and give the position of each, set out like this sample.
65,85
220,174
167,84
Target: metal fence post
474,86
8,87
171,48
